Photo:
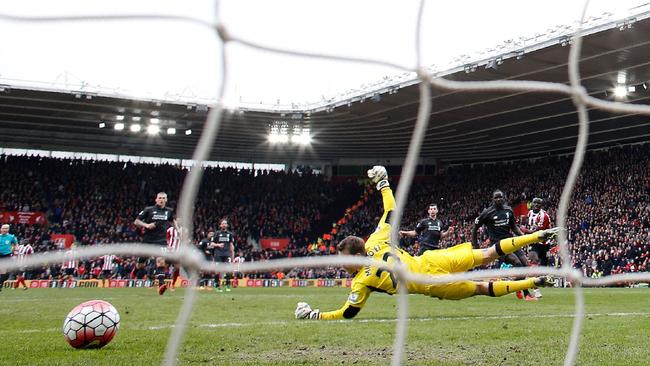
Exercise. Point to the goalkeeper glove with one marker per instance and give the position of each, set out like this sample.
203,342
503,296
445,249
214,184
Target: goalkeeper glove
379,176
304,311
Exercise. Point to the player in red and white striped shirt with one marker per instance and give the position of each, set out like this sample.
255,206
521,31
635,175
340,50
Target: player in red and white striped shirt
538,219
21,253
173,238
107,267
237,261
68,267
173,245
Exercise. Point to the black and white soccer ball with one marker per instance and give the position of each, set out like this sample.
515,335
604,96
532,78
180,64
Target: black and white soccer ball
91,324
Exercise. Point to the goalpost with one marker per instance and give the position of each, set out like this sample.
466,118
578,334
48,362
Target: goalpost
192,260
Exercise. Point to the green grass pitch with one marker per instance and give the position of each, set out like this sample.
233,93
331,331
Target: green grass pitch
255,326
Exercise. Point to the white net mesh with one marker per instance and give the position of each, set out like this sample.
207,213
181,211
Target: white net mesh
193,261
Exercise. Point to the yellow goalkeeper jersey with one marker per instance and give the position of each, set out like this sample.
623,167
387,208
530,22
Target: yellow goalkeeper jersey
370,278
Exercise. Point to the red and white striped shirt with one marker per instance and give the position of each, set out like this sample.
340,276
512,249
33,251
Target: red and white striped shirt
539,220
72,263
108,262
237,262
173,239
23,250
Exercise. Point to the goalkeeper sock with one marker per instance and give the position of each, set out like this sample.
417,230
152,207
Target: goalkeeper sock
500,288
511,245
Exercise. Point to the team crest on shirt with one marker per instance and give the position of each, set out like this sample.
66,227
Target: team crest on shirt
353,298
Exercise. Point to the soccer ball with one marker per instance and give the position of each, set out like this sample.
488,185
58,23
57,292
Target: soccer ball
91,324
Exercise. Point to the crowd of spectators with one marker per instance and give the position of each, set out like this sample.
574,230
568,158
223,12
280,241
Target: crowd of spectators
609,215
97,202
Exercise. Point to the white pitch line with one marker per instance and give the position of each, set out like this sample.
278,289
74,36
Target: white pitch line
307,322
440,318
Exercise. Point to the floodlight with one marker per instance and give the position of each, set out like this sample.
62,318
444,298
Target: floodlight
153,129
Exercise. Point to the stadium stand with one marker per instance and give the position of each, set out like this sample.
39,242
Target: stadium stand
96,201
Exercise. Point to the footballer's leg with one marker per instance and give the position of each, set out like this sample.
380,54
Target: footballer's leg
228,280
222,275
160,275
518,259
511,245
500,288
541,252
217,282
175,275
20,280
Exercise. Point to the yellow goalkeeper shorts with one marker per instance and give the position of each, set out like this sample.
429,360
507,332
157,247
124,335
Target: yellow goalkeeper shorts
459,258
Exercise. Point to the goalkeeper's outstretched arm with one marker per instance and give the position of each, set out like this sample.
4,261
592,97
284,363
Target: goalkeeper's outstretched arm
353,305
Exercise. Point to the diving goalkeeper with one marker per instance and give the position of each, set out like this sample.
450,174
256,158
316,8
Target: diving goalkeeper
459,258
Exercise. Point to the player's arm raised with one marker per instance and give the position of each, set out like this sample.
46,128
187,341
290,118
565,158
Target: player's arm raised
379,176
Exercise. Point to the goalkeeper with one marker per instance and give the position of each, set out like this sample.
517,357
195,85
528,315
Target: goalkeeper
459,258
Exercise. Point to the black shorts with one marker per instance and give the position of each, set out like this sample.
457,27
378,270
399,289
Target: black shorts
540,248
542,253
106,273
222,258
425,247
6,255
159,242
69,271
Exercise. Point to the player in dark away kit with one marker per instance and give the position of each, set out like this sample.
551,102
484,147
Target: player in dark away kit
223,245
429,231
499,220
155,220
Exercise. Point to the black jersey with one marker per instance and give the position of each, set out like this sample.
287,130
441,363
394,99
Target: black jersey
498,221
224,237
429,231
162,217
204,246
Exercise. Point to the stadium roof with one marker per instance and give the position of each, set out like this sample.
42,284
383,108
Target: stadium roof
463,126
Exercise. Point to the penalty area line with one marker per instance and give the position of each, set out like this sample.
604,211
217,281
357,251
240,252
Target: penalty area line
307,322
438,318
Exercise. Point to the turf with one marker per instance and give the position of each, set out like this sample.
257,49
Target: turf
256,326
